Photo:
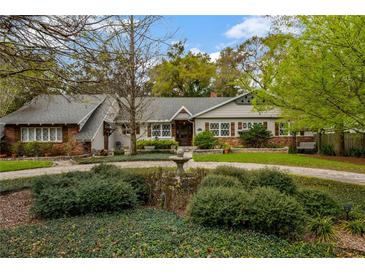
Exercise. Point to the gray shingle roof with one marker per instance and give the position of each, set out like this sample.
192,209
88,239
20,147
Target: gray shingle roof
163,108
55,109
1,131
104,112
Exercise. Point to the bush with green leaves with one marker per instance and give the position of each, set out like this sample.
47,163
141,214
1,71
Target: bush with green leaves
216,206
327,149
158,144
318,203
273,178
216,180
17,149
256,136
205,140
137,181
355,227
91,196
322,228
356,152
276,213
241,174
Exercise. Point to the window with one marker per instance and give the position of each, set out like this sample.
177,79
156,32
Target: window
221,129
44,134
283,129
161,130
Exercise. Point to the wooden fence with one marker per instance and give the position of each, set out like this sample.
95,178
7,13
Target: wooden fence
352,140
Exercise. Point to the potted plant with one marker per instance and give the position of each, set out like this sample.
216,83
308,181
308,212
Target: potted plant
226,148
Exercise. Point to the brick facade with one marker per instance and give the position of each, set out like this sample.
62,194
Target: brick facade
12,135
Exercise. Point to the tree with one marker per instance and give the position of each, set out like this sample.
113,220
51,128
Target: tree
128,55
187,75
314,75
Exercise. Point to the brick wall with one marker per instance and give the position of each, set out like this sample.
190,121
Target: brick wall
12,135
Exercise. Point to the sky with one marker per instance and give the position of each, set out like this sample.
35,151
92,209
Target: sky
210,34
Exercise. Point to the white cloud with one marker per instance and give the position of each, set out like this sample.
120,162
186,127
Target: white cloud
251,26
195,50
214,56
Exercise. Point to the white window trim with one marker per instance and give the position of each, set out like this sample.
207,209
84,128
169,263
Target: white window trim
288,133
35,135
220,129
160,130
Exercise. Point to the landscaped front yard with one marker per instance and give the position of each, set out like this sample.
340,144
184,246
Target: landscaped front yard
13,165
112,212
280,159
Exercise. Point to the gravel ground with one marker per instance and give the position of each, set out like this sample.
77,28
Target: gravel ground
349,241
14,209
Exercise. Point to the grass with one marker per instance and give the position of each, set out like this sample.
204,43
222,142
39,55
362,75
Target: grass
123,158
145,233
13,165
280,159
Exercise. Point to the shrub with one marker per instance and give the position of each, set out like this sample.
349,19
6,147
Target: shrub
241,174
355,227
216,180
356,152
327,149
137,181
158,144
205,140
17,149
87,197
276,213
322,228
58,149
45,148
219,206
318,203
32,149
274,178
256,136
292,150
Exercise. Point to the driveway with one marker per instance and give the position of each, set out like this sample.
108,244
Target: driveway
341,176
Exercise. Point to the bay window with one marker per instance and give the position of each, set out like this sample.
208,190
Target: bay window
41,134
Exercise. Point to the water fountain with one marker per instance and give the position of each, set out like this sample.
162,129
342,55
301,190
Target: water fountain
180,160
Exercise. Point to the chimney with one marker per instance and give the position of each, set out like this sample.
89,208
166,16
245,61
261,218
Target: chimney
213,94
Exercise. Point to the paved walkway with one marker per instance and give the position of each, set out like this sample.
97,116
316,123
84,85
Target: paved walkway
341,176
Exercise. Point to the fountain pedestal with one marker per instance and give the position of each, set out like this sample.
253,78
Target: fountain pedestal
180,160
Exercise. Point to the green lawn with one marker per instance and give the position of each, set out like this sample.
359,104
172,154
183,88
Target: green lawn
123,158
145,233
280,159
12,165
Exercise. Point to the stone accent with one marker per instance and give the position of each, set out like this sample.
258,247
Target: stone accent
277,140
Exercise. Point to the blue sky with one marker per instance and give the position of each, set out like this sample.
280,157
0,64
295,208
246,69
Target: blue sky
212,33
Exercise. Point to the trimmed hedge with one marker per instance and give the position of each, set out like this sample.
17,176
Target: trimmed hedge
219,206
275,212
241,174
158,144
216,180
318,203
274,178
87,197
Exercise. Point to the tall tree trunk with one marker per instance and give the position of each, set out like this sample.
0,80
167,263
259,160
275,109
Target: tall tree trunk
319,141
132,63
294,141
339,141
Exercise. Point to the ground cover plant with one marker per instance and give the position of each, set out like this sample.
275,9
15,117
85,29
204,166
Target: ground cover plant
12,165
280,159
145,233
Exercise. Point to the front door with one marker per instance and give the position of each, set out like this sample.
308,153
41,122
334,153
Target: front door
184,133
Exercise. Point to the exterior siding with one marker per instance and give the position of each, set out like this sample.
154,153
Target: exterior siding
233,110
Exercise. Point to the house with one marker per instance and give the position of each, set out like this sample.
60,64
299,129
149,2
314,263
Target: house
90,121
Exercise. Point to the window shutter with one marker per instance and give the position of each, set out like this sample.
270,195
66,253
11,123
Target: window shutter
233,133
206,126
302,133
265,125
173,129
239,125
276,129
149,130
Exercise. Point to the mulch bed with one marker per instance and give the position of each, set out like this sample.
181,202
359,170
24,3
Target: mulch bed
14,209
349,241
353,160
